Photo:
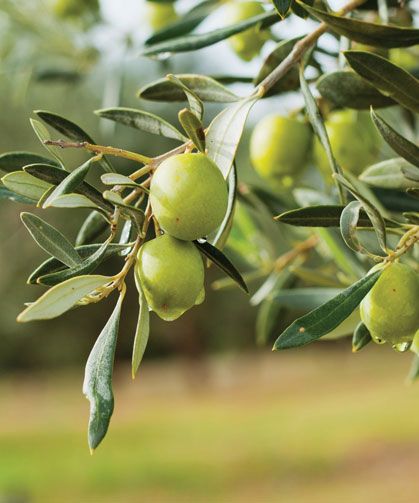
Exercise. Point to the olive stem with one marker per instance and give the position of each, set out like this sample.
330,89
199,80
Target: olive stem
100,149
406,242
299,49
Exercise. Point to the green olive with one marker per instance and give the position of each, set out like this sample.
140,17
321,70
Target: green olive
188,196
390,310
160,14
171,274
279,147
246,44
354,141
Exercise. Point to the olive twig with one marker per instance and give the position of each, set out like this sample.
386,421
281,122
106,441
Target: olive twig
100,149
409,239
300,249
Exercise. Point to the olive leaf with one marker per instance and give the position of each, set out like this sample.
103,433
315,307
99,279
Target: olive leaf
380,35
223,231
328,316
72,131
43,135
86,267
118,179
193,128
142,331
25,185
14,161
55,176
414,369
346,89
282,6
411,173
398,143
144,121
97,385
6,194
194,101
51,240
224,133
220,260
187,23
68,201
318,216
349,221
317,122
206,88
70,183
390,174
60,298
390,79
194,42
372,212
361,337
92,228
52,265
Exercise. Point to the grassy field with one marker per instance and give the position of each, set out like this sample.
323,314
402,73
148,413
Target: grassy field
316,425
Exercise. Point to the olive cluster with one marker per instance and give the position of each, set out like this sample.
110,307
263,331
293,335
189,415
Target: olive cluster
188,197
281,147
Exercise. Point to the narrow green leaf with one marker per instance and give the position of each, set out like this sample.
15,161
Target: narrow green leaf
318,216
142,331
144,121
14,161
55,176
390,79
25,185
6,194
220,260
372,212
51,240
206,88
194,101
117,179
73,201
380,35
60,298
412,217
97,385
71,131
225,131
220,238
193,128
411,173
389,174
361,338
348,224
346,89
194,42
325,318
398,143
52,265
86,267
92,228
70,183
43,134
282,6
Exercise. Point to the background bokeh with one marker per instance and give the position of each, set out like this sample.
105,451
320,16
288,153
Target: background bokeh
211,417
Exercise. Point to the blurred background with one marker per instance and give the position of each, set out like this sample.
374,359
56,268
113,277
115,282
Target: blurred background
211,415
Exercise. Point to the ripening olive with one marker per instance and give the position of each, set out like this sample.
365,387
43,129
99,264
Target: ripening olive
390,310
171,274
188,196
354,141
246,44
280,146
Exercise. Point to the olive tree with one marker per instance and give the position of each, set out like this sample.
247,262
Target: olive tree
338,182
